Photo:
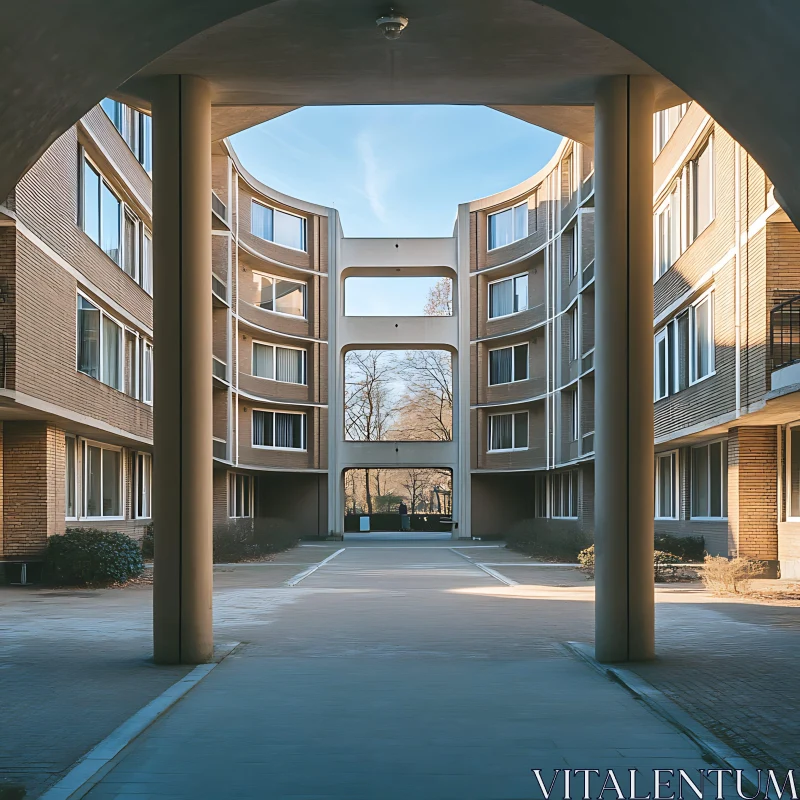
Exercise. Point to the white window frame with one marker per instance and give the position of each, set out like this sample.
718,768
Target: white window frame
575,408
275,278
661,336
84,480
85,157
513,448
513,210
708,143
574,333
146,347
303,219
723,466
101,335
139,459
572,263
236,504
274,362
560,476
75,477
712,361
126,130
513,279
674,458
514,378
146,264
273,411
671,205
788,472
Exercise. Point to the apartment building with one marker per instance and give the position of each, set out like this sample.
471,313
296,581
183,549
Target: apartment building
77,346
76,336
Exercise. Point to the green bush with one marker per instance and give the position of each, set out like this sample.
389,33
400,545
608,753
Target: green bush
148,543
687,548
89,557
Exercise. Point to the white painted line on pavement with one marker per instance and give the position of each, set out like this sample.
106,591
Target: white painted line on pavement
306,572
488,570
83,776
527,564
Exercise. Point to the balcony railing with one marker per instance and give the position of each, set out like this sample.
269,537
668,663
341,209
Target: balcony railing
220,449
219,369
218,207
219,288
588,273
784,333
587,443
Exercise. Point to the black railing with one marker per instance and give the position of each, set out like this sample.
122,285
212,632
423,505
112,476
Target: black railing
784,333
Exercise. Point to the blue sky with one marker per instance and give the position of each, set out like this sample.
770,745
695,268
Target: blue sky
394,170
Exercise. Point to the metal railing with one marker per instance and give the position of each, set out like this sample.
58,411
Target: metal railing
218,207
784,333
220,448
588,273
219,288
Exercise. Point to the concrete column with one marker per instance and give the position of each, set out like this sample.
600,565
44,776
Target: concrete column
182,429
624,611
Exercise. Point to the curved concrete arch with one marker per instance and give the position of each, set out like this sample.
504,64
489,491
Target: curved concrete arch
738,59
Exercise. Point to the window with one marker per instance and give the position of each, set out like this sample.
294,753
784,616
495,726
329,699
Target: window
508,364
667,485
144,482
702,338
508,296
280,294
710,480
576,416
564,494
664,124
661,361
508,432
286,364
679,341
280,227
135,127
130,245
793,472
701,171
99,344
102,481
507,226
667,238
279,429
533,214
572,254
240,495
573,334
146,372
540,495
70,483
147,261
100,211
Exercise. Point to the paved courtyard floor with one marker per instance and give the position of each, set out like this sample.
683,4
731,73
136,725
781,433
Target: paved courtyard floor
394,670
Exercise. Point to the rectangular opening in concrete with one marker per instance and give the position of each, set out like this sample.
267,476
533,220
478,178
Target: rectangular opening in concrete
398,395
416,499
406,296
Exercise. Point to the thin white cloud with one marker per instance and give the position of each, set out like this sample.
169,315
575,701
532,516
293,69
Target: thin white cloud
376,176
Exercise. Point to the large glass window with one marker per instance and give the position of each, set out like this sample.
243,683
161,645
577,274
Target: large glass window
130,248
285,430
702,335
101,212
277,226
710,480
99,345
286,364
135,127
144,482
564,494
508,364
70,482
508,296
240,495
702,190
146,372
147,261
793,472
667,485
664,124
508,431
102,481
667,237
280,294
661,361
508,226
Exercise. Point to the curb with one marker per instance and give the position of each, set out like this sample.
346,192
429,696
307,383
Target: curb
92,767
711,747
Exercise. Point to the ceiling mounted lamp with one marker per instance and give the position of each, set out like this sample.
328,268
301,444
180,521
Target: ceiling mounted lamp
392,25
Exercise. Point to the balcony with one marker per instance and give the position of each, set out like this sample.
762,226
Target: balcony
219,369
587,443
588,273
219,213
219,289
220,449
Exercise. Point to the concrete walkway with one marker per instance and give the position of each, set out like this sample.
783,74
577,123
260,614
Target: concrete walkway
395,671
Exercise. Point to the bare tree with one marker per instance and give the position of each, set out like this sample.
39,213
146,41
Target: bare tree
426,409
440,299
415,481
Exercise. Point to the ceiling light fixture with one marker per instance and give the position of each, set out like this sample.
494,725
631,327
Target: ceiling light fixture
392,25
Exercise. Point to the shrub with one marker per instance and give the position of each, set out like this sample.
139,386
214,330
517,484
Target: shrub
549,544
729,576
86,556
663,562
586,560
242,539
148,543
687,548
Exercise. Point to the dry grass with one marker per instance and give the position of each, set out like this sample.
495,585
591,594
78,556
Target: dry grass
723,576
